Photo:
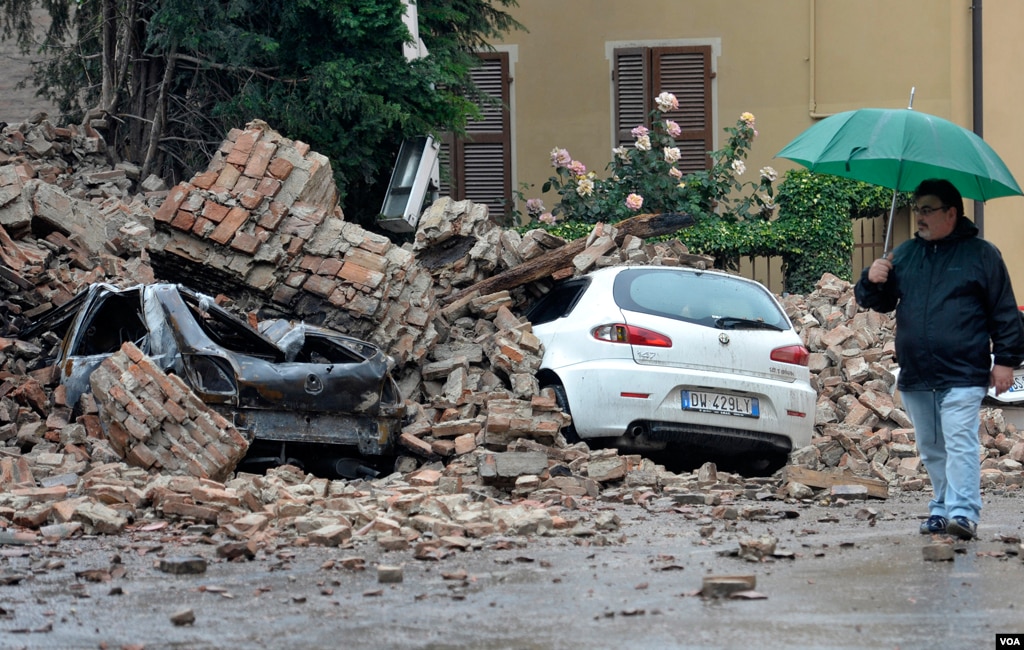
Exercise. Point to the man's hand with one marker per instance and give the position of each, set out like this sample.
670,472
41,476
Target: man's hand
1001,378
880,268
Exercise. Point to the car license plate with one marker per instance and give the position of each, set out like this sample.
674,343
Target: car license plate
708,402
1018,384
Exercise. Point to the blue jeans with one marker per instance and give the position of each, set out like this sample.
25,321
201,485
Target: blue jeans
946,429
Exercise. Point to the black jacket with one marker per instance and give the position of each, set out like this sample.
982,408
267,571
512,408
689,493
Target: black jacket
954,308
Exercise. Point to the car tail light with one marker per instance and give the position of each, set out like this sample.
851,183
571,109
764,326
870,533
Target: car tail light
794,354
631,335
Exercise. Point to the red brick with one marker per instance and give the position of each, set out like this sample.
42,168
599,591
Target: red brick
260,159
283,294
139,374
203,226
320,285
514,354
41,494
215,211
227,179
233,438
207,425
360,275
93,428
205,180
243,147
191,511
413,443
175,412
280,168
378,245
218,457
295,245
245,243
249,199
222,496
230,139
172,202
276,211
310,263
234,220
268,186
16,472
141,456
366,259
137,429
119,394
183,220
32,517
329,266
174,390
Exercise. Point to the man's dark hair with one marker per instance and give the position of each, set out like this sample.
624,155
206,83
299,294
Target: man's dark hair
943,189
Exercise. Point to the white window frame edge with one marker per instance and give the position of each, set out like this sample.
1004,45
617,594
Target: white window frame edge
513,58
716,53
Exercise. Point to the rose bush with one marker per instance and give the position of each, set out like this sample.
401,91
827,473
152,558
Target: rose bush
646,176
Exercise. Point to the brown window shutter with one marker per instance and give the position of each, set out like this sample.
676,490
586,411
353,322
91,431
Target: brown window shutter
483,159
686,73
631,81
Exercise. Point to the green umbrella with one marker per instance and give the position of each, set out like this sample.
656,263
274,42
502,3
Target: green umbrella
899,148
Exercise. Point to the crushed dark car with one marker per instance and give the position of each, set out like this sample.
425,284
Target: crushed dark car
299,393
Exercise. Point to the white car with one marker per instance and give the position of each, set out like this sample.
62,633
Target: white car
703,364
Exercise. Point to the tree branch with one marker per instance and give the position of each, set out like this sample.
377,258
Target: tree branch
221,66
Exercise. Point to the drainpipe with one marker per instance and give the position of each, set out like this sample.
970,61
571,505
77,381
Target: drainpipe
977,95
812,109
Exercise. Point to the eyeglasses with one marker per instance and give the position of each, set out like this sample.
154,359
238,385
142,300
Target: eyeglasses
926,210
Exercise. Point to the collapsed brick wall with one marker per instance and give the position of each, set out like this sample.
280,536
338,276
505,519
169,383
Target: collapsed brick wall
263,217
154,421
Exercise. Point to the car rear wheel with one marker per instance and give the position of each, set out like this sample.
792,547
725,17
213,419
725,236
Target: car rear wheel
569,430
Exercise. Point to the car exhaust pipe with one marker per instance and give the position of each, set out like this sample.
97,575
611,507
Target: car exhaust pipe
351,468
637,430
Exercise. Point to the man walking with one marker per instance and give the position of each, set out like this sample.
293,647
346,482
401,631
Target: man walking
958,332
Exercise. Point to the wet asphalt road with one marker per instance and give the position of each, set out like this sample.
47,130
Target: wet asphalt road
841,577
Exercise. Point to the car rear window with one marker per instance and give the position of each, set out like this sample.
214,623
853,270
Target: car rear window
557,302
696,297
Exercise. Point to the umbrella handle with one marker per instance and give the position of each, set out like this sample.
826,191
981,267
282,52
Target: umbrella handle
888,227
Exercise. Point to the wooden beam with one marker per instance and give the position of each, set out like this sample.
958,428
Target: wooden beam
642,225
876,488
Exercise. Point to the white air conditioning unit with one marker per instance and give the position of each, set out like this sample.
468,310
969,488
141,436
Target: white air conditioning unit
414,180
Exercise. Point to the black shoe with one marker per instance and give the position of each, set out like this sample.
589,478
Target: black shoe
934,525
962,527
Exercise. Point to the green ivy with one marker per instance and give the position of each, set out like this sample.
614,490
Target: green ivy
813,233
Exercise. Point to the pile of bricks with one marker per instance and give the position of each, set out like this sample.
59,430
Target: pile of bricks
154,421
862,428
263,220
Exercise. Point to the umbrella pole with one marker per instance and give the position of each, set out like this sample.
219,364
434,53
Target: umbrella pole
888,226
892,209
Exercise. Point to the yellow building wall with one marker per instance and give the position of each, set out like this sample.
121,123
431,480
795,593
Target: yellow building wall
790,62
